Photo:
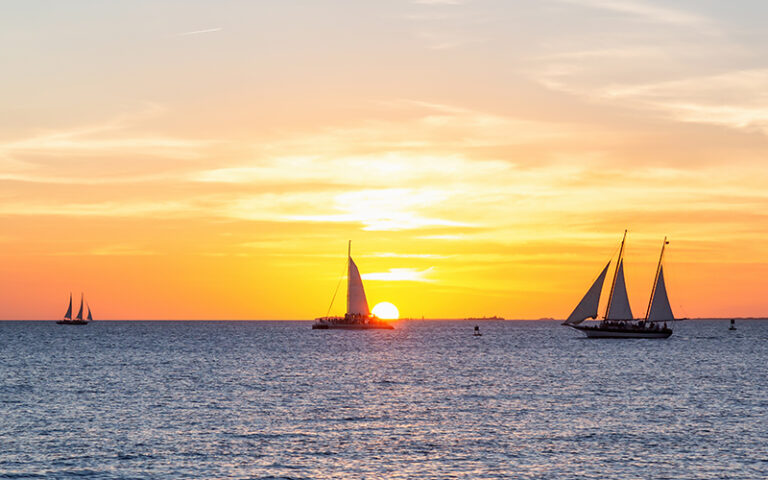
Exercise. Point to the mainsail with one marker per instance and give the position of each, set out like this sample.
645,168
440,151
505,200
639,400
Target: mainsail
356,301
68,315
587,307
80,313
620,309
660,310
90,317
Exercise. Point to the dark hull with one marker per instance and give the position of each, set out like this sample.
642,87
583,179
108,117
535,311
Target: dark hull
351,326
72,322
603,331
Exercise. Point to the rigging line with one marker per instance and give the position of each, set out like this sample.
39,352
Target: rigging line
338,284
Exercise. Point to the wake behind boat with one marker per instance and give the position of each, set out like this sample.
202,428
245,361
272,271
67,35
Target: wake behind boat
78,320
358,316
618,321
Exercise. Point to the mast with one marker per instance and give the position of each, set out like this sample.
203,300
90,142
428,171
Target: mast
349,259
615,274
656,279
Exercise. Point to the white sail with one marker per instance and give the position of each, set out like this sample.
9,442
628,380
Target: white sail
660,311
620,309
356,301
587,307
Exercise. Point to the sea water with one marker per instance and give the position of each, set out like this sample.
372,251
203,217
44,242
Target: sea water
172,400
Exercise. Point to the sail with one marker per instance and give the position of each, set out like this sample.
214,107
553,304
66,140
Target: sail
660,311
620,309
90,317
356,301
80,313
68,315
587,307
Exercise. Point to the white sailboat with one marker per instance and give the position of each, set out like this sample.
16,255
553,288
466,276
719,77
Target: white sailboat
358,316
78,320
619,321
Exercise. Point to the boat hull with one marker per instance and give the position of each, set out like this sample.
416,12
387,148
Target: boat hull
609,332
72,322
351,326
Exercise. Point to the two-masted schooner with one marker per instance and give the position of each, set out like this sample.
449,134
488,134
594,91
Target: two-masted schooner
619,321
358,316
78,320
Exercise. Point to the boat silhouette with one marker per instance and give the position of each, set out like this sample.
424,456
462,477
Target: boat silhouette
78,320
358,316
619,321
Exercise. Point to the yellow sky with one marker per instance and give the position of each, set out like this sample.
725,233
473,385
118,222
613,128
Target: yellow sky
210,160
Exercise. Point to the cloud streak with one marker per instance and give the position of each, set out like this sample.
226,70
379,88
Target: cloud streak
199,32
400,275
644,11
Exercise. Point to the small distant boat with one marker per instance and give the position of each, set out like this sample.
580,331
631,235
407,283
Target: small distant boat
78,320
618,321
475,319
477,331
358,316
733,324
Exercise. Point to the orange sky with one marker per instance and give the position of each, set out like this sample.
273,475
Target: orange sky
204,160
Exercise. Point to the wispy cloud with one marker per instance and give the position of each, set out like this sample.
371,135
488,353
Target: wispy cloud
644,11
441,28
386,209
198,32
440,2
98,209
121,250
404,255
53,179
401,275
734,99
113,135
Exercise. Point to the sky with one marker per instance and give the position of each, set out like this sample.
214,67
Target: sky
210,160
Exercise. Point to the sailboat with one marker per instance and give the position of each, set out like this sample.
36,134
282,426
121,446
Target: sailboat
619,321
358,316
78,320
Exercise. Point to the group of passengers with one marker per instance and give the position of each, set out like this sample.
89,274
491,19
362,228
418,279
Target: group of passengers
640,325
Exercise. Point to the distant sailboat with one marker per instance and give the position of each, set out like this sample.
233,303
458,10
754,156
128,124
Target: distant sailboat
358,316
78,320
619,321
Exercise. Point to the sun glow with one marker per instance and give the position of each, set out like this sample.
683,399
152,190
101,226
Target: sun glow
386,311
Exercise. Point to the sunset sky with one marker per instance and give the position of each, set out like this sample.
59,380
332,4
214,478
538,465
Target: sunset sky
210,160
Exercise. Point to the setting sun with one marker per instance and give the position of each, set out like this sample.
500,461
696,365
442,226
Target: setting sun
386,311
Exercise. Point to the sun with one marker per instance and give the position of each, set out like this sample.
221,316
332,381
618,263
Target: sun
386,311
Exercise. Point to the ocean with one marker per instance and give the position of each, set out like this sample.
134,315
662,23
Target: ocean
274,400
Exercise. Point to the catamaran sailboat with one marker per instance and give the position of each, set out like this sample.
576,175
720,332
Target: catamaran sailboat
618,321
358,316
78,320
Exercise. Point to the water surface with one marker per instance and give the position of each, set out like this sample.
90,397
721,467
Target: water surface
171,400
